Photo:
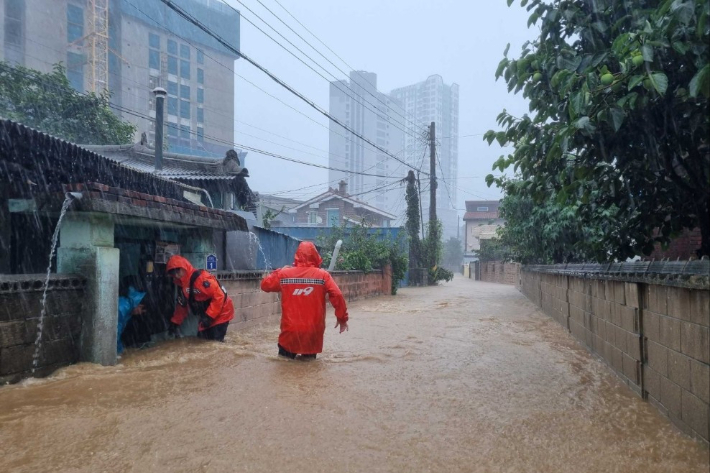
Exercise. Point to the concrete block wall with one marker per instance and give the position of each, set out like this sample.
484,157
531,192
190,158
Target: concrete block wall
656,338
20,309
500,272
676,323
252,306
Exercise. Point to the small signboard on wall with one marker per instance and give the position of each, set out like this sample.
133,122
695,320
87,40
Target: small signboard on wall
211,263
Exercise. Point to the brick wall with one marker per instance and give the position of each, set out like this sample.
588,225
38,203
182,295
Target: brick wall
359,285
254,307
683,247
499,272
655,337
20,309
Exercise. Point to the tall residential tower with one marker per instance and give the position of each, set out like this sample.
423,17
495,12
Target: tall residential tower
426,102
357,104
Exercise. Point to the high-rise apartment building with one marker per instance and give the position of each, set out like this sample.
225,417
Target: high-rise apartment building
357,104
130,47
426,102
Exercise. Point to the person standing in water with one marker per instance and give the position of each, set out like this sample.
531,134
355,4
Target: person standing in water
303,288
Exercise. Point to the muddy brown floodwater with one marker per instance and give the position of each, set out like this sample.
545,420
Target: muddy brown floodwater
464,377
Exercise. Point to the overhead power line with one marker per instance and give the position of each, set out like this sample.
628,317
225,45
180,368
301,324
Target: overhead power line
421,127
170,4
348,92
159,25
414,125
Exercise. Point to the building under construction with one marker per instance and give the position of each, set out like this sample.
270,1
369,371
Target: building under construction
129,47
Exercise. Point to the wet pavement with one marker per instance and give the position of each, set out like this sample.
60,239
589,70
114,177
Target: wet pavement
464,377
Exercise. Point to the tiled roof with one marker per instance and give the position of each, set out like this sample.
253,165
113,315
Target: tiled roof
332,194
175,166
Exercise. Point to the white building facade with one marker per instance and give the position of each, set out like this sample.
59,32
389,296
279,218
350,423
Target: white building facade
434,101
357,104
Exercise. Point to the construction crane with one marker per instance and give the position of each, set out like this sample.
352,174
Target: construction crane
97,45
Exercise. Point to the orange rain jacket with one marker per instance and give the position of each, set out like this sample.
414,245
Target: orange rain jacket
303,288
210,298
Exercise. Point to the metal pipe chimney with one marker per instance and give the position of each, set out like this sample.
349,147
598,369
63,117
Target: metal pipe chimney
160,95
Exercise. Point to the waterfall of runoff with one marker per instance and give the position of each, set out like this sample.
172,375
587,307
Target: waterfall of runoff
70,197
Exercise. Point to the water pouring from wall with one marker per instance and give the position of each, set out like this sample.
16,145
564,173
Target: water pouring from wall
70,197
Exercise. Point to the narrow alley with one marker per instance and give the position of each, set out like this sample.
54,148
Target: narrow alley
464,377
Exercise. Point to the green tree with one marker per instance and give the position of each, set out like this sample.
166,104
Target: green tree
47,102
618,93
365,251
453,254
542,233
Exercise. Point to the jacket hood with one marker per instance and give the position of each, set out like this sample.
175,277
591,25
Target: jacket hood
178,261
307,256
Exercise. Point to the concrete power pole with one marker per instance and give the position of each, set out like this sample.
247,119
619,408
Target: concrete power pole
432,173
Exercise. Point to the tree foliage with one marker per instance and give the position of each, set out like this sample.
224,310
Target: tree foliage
453,254
365,251
618,133
48,103
543,233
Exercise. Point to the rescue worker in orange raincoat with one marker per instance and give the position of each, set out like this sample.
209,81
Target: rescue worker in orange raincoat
303,288
200,292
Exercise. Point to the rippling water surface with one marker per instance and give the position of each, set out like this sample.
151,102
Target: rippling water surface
463,377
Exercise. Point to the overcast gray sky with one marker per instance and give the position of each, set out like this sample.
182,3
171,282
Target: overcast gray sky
403,42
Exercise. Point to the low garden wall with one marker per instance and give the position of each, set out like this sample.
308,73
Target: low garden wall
20,310
254,307
650,322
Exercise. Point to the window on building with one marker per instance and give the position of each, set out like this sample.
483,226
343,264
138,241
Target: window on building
154,59
185,69
200,115
185,92
184,132
200,76
172,129
172,65
200,134
75,71
200,95
172,106
172,47
185,51
172,88
184,109
481,209
75,23
333,217
153,41
312,218
200,57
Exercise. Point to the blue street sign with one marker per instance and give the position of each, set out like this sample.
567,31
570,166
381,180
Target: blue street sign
211,263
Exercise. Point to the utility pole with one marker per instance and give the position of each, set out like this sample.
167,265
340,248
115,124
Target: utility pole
432,173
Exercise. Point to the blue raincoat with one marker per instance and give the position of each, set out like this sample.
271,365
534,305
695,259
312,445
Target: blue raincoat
125,307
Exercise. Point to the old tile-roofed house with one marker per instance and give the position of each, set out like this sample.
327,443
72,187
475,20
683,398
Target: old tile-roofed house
115,219
223,178
336,207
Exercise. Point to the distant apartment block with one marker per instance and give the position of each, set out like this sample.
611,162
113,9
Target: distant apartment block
357,104
434,101
130,47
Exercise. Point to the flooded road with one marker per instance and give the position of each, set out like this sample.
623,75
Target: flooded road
465,377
